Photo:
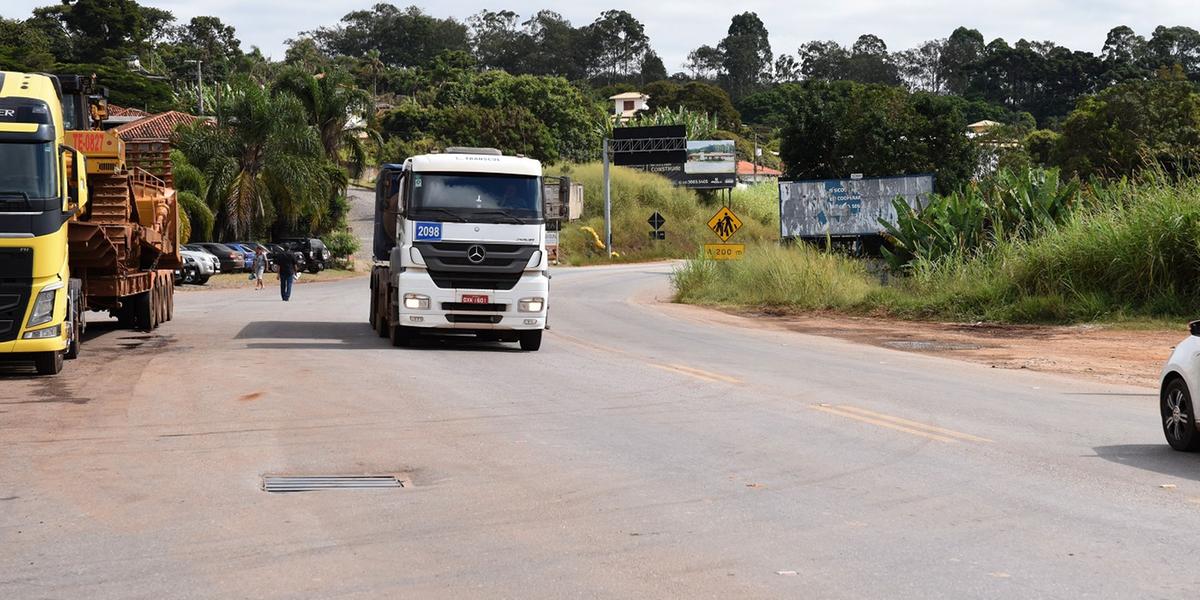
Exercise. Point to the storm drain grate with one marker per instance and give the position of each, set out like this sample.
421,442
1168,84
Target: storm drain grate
330,482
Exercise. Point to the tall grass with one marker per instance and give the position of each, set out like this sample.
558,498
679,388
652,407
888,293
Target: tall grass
1130,251
635,196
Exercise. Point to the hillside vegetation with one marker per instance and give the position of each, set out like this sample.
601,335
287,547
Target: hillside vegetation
1124,251
636,195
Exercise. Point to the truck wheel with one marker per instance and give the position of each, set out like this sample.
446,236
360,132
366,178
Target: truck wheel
399,335
170,300
531,340
143,311
48,363
74,332
373,317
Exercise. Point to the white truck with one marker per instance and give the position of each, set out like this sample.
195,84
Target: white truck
460,248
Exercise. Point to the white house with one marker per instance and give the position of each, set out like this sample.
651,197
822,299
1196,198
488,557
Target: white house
628,104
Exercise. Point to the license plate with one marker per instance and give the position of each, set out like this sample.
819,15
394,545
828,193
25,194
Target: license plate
475,299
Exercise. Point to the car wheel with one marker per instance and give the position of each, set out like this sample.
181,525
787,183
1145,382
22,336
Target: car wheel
1178,417
190,276
202,280
531,340
48,363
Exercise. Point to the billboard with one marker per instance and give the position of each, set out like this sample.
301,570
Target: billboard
846,207
658,144
710,157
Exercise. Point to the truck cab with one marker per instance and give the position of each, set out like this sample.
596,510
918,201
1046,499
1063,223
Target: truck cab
460,248
42,185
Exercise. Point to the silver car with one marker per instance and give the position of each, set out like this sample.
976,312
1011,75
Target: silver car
197,267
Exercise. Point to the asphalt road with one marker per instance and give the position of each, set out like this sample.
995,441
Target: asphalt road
647,451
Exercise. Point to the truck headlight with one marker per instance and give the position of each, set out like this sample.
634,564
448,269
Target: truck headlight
535,259
531,305
43,306
415,255
416,301
42,334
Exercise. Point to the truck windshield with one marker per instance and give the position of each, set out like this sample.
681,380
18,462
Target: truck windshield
479,197
26,172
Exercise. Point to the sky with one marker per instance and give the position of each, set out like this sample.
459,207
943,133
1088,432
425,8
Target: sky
675,27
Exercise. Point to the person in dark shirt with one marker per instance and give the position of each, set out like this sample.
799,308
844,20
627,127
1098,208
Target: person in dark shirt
287,273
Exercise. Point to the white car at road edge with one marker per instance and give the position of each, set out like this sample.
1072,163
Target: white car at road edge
1179,377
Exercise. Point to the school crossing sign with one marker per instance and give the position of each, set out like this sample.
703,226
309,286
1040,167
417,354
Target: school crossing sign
724,224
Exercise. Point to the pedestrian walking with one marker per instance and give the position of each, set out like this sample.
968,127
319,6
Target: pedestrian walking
260,267
286,261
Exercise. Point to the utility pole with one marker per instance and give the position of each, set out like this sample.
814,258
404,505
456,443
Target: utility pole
199,86
607,203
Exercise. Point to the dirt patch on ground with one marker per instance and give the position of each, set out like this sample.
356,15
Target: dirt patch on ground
1109,354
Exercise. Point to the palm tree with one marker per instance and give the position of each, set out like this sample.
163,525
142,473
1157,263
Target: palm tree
342,113
261,156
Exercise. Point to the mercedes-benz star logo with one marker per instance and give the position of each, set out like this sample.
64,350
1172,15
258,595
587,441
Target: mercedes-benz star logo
476,254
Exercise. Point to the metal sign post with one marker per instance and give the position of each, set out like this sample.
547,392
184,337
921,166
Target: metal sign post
607,203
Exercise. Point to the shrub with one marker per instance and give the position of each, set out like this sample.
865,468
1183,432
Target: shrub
342,244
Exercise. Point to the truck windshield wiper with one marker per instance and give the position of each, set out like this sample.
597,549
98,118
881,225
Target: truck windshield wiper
503,212
445,211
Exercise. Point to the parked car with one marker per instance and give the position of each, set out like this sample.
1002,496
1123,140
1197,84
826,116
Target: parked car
246,250
274,249
212,258
316,255
1176,406
232,261
197,267
250,247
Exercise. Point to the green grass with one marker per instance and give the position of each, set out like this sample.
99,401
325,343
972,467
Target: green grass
635,196
1133,260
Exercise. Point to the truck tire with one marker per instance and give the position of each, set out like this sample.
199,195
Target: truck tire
170,300
373,317
48,363
400,335
74,331
143,311
531,340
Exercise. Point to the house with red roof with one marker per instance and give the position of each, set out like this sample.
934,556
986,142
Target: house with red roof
749,174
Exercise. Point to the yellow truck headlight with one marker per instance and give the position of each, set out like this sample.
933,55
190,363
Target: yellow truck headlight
43,306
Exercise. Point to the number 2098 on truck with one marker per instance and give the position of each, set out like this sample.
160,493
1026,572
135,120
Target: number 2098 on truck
460,248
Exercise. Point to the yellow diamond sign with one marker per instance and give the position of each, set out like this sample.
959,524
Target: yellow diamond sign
724,223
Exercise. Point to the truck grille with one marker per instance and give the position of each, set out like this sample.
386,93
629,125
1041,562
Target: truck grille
450,264
16,282
493,319
467,306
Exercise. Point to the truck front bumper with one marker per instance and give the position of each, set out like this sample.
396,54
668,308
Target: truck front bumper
447,310
51,344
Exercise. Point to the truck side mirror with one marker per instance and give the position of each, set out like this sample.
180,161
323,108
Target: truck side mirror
70,158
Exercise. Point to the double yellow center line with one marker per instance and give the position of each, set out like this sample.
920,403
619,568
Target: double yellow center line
932,432
697,373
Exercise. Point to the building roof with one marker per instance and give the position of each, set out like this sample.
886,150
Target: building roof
160,126
983,125
745,167
629,96
120,111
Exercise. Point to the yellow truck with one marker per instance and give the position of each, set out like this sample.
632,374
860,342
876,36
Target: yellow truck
80,229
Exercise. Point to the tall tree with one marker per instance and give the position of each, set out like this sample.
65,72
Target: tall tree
617,41
823,60
1169,46
964,48
786,69
404,38
1124,55
746,55
870,62
921,68
498,41
704,62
